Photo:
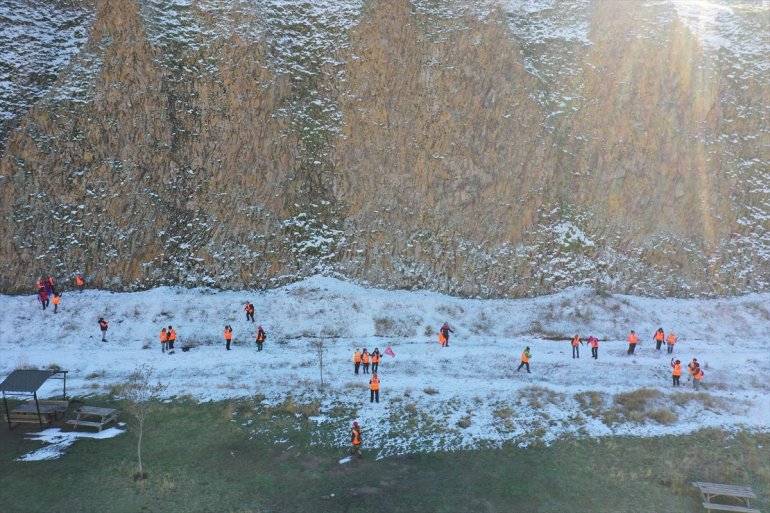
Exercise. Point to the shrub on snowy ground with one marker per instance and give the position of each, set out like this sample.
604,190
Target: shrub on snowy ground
430,391
464,422
96,374
592,403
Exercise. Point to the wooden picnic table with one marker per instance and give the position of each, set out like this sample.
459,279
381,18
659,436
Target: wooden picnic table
741,494
104,416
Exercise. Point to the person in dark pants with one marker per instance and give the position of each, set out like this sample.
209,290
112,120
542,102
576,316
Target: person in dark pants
676,371
576,343
365,360
525,356
171,339
374,388
357,359
594,347
658,337
228,336
356,439
376,359
56,301
103,325
249,311
261,336
632,340
42,296
446,330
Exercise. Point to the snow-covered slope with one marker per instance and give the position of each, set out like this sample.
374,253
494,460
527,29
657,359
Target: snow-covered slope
433,398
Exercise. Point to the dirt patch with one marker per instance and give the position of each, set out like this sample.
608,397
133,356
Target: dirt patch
363,491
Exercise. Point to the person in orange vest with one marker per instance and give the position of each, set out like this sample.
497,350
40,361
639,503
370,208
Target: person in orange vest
659,337
228,336
696,377
670,341
356,439
357,359
80,283
374,388
691,367
632,340
594,347
525,356
676,371
103,325
576,343
365,360
171,340
261,336
50,286
163,340
376,356
56,301
249,311
445,331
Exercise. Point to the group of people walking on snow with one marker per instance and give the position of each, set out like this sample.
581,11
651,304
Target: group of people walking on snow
48,293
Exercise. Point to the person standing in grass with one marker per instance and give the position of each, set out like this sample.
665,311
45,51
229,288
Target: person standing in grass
632,340
659,337
676,371
103,325
365,360
576,343
525,356
670,341
355,440
56,301
163,340
261,336
594,347
374,388
357,360
376,359
228,336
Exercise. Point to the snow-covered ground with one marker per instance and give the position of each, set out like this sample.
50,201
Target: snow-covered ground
466,395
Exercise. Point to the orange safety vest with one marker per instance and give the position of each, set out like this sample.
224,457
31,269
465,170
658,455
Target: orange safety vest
260,336
374,383
375,357
632,338
163,336
228,334
79,281
524,357
698,374
356,436
575,341
692,366
677,370
671,339
357,357
56,300
659,336
171,335
365,357
441,338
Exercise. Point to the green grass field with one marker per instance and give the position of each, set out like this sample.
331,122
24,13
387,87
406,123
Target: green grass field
199,460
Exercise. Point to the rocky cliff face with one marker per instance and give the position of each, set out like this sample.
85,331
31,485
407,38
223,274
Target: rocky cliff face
479,149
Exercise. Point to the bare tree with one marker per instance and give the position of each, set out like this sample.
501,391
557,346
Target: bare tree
141,396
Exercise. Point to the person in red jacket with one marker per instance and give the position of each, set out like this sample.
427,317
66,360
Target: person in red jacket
103,325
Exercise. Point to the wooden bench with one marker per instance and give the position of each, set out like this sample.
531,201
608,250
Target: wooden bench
58,406
27,414
739,493
711,506
104,416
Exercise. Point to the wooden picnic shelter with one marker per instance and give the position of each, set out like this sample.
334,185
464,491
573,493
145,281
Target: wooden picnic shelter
26,383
